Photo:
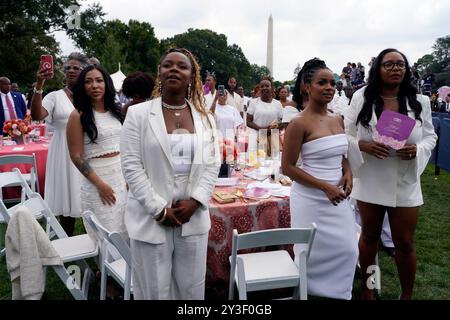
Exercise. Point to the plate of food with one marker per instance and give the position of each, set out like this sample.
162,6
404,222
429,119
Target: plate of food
257,193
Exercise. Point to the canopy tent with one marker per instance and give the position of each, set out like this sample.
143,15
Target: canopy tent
117,79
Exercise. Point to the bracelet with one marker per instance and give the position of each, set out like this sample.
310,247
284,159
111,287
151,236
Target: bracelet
38,91
163,217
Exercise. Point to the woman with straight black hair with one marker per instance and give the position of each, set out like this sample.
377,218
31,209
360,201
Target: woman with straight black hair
387,179
93,135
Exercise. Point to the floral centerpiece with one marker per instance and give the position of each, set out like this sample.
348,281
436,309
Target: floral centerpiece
17,129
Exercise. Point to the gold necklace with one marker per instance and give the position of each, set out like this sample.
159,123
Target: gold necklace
178,118
171,107
388,98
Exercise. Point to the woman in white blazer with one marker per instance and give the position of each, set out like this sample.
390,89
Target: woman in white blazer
170,161
387,180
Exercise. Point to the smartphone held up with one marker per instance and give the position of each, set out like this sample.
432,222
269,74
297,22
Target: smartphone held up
221,90
47,63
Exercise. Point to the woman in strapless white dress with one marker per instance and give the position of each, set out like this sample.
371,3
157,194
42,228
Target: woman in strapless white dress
322,185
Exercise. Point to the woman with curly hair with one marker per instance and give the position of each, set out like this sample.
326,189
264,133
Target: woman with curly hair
170,159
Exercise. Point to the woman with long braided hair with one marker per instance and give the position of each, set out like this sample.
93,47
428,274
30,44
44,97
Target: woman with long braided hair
321,185
170,160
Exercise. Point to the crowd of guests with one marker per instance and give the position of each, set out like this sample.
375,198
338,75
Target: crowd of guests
147,168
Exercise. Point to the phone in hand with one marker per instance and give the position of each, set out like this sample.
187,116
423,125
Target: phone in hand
47,62
221,90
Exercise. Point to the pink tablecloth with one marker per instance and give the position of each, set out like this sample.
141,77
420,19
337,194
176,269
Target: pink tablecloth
243,216
40,150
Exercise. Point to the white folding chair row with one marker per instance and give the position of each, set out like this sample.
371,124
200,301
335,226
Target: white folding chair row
7,179
71,249
115,257
13,178
270,269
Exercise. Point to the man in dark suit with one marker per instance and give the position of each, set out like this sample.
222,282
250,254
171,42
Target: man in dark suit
12,105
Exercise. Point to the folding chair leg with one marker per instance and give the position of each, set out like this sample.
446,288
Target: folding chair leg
127,283
242,286
70,283
103,281
303,288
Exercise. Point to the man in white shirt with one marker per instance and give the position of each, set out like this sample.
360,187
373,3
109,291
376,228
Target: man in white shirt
338,94
211,82
234,99
12,105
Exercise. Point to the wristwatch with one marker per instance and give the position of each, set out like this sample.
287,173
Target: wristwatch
38,91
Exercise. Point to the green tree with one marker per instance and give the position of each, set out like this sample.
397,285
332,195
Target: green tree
258,72
214,54
25,34
134,45
438,62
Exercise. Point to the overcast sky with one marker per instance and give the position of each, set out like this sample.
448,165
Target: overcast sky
335,31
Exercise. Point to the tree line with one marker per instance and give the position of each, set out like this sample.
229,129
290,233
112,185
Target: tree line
28,27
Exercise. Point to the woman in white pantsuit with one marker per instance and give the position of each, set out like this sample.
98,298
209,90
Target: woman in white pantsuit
170,160
384,180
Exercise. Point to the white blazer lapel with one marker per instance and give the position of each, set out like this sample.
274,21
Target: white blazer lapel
158,126
199,132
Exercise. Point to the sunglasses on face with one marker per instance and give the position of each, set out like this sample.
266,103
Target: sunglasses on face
74,68
390,65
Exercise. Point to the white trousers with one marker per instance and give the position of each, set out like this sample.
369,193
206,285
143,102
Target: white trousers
174,270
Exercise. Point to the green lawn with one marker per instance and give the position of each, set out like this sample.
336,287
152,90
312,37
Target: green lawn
432,243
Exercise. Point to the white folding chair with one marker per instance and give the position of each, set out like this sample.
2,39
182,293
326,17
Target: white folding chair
7,178
71,249
13,178
270,269
115,257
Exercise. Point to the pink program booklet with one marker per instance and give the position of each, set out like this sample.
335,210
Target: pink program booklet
393,129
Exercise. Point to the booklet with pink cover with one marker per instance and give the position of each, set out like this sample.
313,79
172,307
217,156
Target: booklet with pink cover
393,129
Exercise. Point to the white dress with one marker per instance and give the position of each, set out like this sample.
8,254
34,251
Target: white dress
227,120
289,113
109,170
265,113
62,178
331,264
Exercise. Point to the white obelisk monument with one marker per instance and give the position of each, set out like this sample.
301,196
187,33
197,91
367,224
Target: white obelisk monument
269,62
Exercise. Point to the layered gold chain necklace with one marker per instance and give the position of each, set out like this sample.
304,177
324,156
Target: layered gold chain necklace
176,111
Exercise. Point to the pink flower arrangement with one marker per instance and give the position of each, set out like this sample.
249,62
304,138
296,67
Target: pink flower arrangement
16,128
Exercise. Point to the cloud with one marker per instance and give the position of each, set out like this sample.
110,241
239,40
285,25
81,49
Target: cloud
335,31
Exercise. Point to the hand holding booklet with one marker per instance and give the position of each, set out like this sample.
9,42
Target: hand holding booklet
393,129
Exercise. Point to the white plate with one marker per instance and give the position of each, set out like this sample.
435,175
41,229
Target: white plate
227,182
257,193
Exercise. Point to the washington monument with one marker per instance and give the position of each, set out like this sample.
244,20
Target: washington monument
269,62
